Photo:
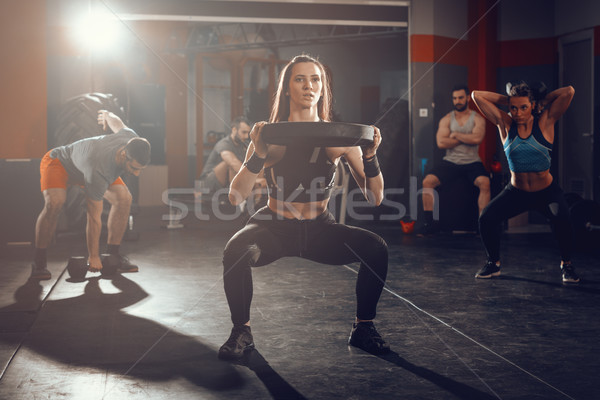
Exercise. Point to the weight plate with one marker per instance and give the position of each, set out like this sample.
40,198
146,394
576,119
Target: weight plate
319,134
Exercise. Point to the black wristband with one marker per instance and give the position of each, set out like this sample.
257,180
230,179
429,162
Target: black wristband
255,163
371,166
368,159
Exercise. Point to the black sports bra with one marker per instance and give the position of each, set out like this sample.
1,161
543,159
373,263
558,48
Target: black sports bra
304,174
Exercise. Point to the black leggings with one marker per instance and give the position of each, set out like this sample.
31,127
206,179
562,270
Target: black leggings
511,202
267,237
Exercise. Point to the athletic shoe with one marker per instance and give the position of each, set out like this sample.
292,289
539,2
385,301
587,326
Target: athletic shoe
239,342
568,274
428,229
124,265
365,336
40,273
489,269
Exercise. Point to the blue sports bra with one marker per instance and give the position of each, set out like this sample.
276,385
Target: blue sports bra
527,155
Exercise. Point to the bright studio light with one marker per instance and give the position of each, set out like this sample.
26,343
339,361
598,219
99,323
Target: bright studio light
98,32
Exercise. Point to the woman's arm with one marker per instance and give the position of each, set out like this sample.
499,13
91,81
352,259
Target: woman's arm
559,100
242,183
487,103
372,187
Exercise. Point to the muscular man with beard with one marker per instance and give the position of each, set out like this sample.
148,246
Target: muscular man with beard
460,132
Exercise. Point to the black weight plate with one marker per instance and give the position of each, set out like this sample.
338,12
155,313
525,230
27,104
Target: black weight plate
319,134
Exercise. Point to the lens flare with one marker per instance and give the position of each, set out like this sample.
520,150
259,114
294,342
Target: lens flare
97,32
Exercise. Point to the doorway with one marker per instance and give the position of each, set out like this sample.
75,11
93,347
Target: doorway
576,130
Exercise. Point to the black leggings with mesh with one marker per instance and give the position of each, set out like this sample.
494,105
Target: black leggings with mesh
267,237
511,202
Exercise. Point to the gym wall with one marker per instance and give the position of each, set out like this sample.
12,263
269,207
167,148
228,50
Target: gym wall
22,200
22,116
23,79
441,56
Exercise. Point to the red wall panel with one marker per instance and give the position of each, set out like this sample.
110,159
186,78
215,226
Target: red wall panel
23,102
438,49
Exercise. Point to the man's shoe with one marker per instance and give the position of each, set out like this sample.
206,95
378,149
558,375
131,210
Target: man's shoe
116,263
239,342
489,269
121,263
126,266
365,336
428,229
568,274
40,273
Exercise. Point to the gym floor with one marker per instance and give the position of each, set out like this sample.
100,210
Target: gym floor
155,334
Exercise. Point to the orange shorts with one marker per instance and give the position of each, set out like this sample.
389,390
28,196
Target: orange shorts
54,176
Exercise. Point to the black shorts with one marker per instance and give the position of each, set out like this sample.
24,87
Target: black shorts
209,184
447,171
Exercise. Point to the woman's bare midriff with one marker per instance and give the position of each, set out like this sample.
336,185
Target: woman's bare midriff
531,181
293,210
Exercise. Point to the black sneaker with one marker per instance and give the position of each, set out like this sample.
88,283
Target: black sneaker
428,229
40,273
489,269
568,274
239,342
365,336
124,265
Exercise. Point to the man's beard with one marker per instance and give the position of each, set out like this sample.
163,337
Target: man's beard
243,142
458,107
124,171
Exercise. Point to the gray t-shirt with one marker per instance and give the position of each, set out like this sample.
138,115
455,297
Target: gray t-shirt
92,161
225,144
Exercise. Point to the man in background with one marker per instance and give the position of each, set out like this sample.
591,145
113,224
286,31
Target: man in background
460,132
225,159
96,164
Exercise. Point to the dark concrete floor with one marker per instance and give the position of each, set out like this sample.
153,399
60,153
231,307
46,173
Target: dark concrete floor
155,334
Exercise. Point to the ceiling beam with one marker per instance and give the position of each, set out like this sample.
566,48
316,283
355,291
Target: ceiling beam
379,13
208,40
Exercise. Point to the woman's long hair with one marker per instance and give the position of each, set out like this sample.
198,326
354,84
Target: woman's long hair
281,102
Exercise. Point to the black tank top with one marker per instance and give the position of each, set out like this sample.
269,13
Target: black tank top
304,174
